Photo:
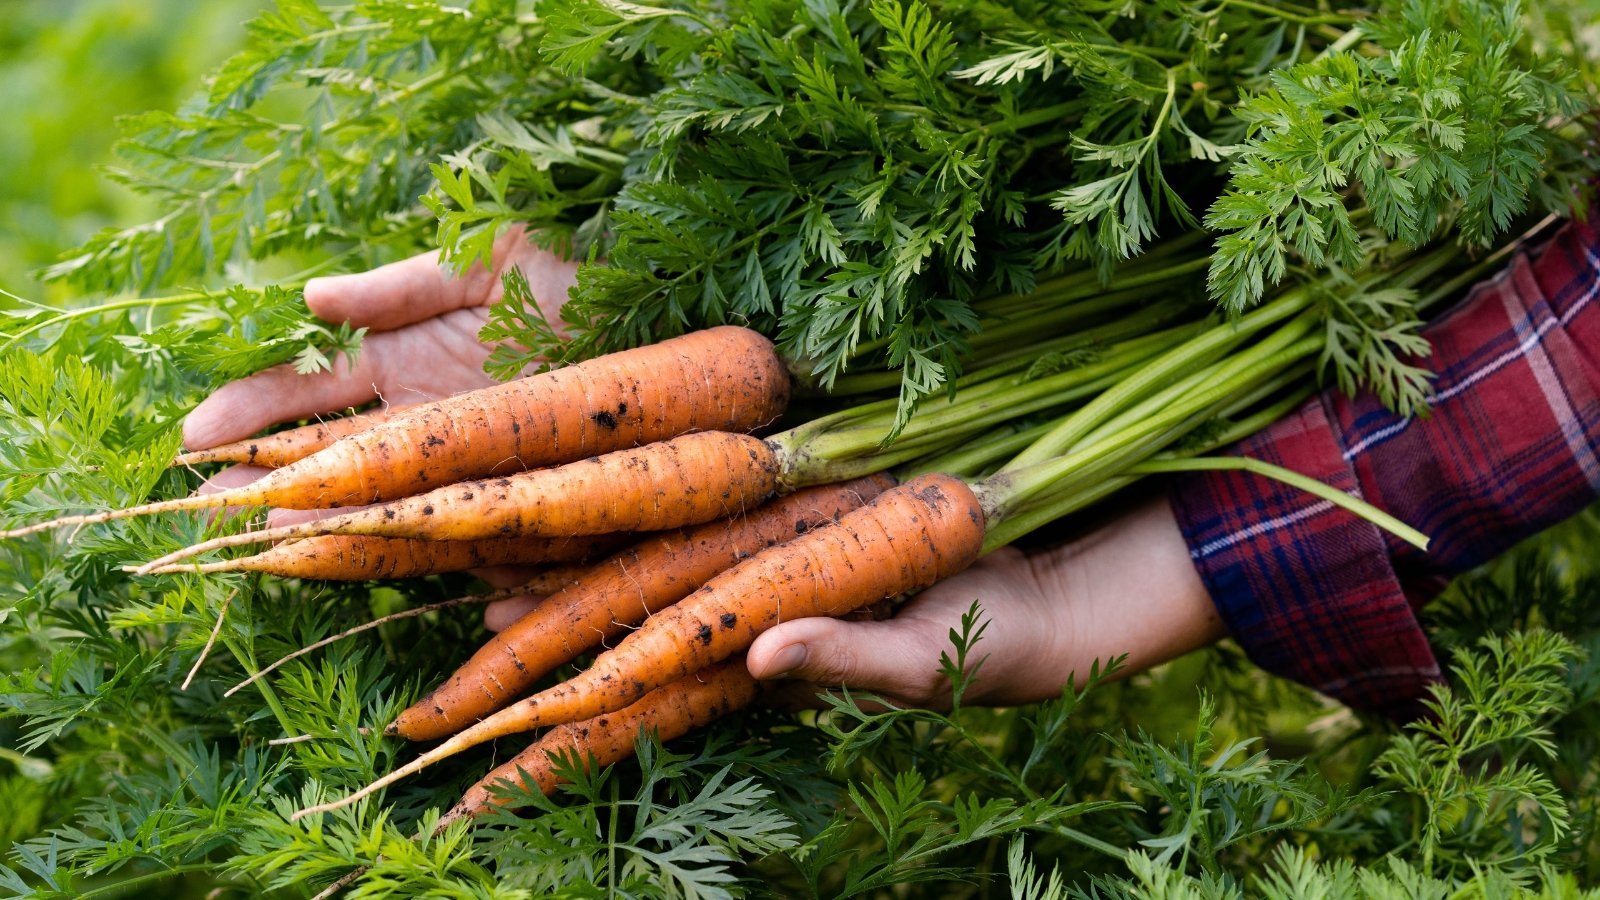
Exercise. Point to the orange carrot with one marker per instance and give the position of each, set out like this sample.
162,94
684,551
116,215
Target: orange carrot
290,445
724,378
906,539
361,558
668,484
670,711
614,596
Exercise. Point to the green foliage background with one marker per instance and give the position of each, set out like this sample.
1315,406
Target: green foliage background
1202,779
68,70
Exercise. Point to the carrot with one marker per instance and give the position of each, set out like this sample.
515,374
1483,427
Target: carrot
290,445
613,597
361,558
835,448
906,539
670,711
724,378
668,484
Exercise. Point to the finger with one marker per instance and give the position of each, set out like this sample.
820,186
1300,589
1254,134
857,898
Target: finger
279,517
500,614
894,657
398,294
411,290
228,479
795,696
505,576
280,394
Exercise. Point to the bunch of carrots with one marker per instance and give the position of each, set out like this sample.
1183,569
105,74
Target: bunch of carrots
677,525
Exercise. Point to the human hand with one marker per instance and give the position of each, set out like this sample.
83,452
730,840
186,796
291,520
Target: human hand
422,341
422,344
1128,588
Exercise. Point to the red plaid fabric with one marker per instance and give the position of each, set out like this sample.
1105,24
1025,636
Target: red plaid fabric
1512,446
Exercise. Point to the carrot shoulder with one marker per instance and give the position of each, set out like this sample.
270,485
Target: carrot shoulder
669,711
614,596
904,540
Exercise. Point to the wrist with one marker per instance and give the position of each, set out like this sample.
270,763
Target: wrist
1130,590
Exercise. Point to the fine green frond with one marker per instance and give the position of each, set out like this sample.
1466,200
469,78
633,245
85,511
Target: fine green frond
1455,126
513,318
1373,344
1507,690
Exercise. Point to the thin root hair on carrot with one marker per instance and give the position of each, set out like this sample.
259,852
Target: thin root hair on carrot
222,615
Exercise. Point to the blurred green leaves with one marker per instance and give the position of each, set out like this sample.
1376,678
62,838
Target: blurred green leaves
68,70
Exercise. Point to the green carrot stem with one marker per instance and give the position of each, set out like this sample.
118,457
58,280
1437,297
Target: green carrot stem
1416,270
1333,495
1143,340
1033,517
828,470
969,389
1243,428
972,457
1229,367
1084,285
1092,470
1175,363
1023,348
861,430
1042,511
1014,484
1466,278
1134,284
1020,350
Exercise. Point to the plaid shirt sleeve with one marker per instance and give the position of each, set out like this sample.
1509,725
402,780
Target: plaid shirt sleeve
1511,446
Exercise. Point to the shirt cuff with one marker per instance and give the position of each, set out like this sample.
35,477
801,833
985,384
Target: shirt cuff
1305,587
1511,444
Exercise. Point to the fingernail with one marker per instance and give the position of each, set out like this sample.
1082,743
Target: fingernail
787,660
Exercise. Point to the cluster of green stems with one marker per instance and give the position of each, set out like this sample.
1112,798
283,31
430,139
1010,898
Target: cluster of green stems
1084,389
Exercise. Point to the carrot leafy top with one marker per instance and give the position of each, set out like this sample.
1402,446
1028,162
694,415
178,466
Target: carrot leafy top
851,176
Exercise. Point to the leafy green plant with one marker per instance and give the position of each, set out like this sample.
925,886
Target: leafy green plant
852,177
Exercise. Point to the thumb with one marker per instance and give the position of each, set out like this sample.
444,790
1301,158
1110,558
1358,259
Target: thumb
895,657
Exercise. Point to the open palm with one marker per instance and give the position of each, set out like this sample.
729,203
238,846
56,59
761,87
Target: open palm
421,344
422,341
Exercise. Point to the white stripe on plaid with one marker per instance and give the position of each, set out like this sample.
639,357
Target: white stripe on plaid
1260,528
1555,398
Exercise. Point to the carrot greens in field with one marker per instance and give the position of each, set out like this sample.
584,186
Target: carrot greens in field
1045,247
853,175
